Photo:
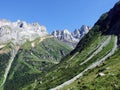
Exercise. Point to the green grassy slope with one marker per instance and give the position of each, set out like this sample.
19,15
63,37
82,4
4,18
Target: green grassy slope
31,61
69,67
5,54
3,63
92,81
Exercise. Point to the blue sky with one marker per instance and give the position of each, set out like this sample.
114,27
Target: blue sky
55,14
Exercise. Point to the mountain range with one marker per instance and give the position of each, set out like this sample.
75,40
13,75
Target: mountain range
71,38
20,31
45,62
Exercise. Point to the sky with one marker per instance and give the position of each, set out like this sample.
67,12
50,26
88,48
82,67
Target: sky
55,14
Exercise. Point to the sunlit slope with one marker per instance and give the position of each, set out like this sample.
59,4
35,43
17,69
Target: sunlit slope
105,76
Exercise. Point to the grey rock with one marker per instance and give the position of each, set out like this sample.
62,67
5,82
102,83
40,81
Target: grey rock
19,32
71,38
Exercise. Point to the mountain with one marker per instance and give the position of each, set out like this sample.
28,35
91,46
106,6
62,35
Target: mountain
19,32
26,50
71,38
93,64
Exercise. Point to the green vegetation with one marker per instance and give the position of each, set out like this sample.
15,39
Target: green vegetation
92,80
30,62
108,24
37,65
71,67
67,68
4,58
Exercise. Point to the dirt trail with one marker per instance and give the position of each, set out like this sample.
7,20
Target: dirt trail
105,43
74,55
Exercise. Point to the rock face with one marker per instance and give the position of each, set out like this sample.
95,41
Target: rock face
20,32
71,38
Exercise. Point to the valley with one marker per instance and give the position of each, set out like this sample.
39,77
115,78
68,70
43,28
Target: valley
84,59
99,45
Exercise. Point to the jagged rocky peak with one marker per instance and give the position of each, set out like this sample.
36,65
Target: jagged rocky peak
62,35
34,26
65,31
71,38
20,31
79,33
21,24
85,29
76,33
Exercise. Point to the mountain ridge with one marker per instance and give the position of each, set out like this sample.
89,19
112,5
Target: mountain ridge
19,32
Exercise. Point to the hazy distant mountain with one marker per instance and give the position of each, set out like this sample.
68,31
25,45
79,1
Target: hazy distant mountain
71,38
